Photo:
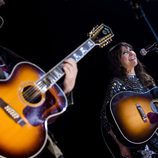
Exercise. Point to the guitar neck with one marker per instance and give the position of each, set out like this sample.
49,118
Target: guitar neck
53,75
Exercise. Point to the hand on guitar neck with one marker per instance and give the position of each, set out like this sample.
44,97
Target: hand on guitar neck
70,68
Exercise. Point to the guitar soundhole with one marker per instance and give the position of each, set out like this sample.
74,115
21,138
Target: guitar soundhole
154,106
32,94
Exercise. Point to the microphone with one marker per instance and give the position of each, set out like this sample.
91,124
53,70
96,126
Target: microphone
148,49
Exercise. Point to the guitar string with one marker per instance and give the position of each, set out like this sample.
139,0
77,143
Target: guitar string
106,144
31,92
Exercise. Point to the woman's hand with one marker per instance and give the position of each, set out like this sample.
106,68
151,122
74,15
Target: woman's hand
70,68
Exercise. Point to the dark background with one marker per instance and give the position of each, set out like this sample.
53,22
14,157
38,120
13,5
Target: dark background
46,31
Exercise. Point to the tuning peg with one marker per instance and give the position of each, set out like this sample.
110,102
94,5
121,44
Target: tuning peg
93,30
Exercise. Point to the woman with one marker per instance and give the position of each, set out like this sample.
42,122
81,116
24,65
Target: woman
128,75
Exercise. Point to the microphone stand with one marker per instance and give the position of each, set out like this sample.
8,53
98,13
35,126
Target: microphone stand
136,6
148,23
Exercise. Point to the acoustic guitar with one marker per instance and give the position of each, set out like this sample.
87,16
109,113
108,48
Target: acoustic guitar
29,98
136,115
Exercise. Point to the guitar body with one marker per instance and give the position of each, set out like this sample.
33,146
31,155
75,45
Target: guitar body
25,111
132,113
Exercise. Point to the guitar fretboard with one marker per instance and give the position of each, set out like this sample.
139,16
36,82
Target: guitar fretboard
50,78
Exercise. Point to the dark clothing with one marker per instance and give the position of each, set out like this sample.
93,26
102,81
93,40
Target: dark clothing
117,85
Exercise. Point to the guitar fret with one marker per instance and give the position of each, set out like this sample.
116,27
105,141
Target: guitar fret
57,73
79,53
46,81
49,79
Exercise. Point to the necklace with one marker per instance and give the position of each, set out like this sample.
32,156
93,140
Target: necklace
133,82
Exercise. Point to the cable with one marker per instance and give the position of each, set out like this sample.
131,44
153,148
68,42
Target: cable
148,23
2,22
107,144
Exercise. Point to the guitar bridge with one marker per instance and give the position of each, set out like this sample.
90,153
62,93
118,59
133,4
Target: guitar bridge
141,112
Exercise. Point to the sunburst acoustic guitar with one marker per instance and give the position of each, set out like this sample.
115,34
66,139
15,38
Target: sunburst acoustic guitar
30,97
136,115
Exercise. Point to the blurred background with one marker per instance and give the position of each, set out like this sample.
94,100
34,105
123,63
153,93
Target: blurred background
46,31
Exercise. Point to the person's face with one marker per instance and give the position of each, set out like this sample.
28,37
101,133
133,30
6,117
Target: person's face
128,58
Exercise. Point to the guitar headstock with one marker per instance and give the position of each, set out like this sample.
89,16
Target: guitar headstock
101,35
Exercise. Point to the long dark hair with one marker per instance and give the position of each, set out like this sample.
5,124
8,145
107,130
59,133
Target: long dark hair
119,71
